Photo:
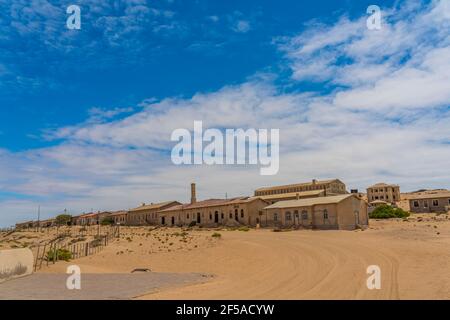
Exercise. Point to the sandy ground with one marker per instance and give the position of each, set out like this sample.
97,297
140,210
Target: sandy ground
414,257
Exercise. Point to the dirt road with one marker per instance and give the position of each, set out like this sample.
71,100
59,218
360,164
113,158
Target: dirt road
413,255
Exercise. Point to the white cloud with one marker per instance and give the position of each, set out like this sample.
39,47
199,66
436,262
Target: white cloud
242,26
386,120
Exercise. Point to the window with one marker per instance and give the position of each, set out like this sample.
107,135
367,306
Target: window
416,204
425,203
275,216
449,201
288,216
242,213
221,215
325,214
304,214
435,203
210,216
231,215
296,214
188,215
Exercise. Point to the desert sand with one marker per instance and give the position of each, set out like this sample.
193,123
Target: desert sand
413,254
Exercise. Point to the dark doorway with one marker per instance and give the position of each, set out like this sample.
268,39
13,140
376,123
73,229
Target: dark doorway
198,217
173,220
216,217
163,220
236,215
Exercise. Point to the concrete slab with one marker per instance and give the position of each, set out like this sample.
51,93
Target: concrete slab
42,286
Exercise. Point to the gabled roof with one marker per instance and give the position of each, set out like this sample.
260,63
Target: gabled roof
88,215
302,184
118,213
309,202
210,203
155,206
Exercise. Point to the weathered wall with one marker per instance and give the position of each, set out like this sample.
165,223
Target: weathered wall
15,263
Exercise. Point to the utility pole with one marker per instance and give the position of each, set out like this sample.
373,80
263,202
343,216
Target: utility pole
39,218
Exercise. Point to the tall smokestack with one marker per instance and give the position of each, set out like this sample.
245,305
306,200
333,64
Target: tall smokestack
193,193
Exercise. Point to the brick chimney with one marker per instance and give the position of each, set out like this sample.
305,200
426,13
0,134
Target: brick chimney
314,181
193,193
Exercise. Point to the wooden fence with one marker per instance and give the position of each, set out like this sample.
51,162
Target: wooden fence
48,253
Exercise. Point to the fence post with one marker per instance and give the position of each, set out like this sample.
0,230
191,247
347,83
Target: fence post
43,255
55,255
37,258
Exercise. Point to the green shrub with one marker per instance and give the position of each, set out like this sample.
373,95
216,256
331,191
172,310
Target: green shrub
60,254
107,221
244,229
63,219
216,235
387,212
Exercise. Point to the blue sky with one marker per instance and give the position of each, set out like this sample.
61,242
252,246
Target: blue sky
86,114
52,84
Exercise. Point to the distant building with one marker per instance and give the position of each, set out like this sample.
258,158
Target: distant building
24,225
389,193
334,212
272,198
47,223
89,219
330,187
119,217
148,213
428,201
214,212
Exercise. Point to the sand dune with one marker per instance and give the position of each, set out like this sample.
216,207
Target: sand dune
413,255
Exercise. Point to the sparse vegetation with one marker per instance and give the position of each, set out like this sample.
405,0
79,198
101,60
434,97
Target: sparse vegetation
18,270
63,219
107,221
59,254
216,235
98,240
387,212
